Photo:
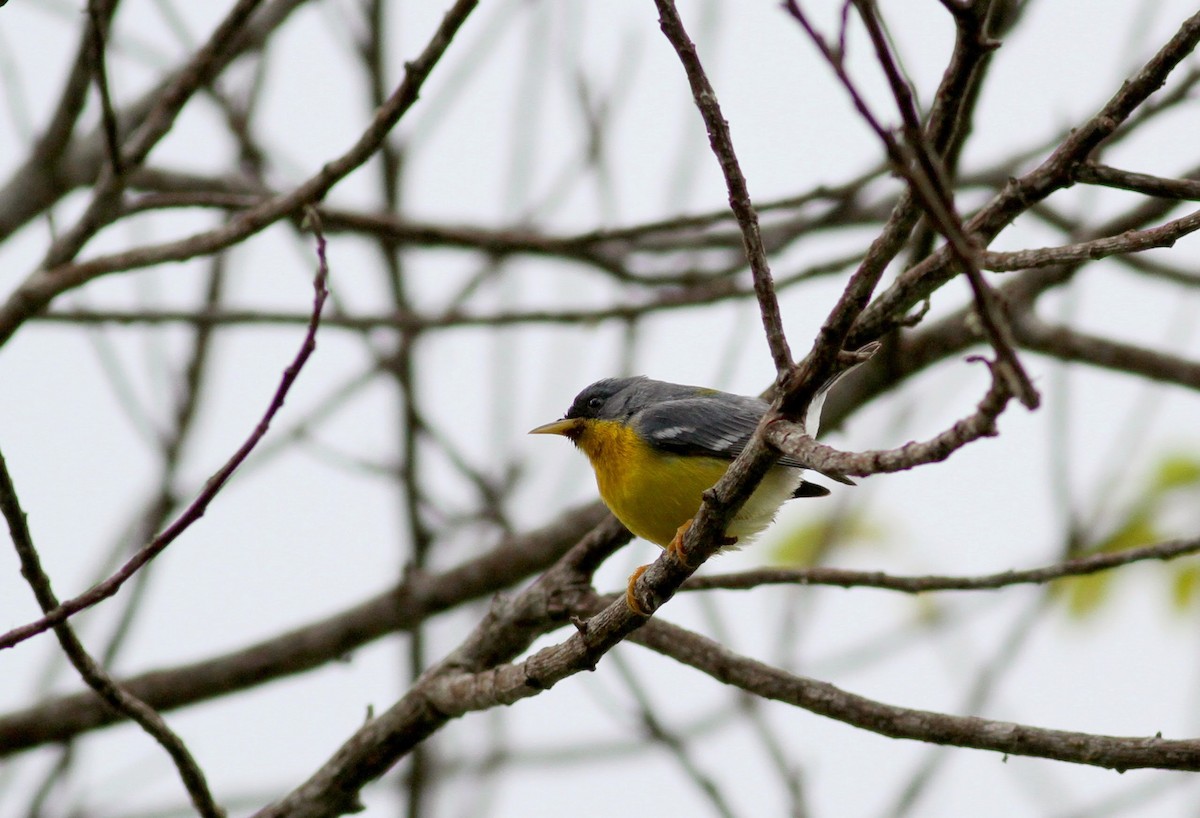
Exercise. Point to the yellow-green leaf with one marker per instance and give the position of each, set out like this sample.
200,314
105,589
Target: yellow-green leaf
1083,595
805,545
1138,529
1185,581
1177,471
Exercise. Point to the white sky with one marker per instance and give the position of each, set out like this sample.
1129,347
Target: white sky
301,536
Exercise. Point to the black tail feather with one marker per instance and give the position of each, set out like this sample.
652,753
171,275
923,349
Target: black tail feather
807,489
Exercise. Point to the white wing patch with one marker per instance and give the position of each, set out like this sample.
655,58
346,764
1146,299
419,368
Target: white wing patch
671,432
727,442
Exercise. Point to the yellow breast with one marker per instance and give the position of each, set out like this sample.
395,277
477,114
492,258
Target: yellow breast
653,493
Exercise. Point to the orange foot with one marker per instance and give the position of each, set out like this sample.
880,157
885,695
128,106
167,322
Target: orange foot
630,596
675,547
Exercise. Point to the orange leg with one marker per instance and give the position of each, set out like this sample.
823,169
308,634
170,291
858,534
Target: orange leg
673,548
630,597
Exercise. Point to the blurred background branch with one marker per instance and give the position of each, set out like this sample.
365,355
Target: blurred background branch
522,198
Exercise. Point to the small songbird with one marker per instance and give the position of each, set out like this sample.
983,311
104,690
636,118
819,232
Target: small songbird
656,447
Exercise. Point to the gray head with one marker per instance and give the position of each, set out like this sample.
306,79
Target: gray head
622,398
609,399
616,399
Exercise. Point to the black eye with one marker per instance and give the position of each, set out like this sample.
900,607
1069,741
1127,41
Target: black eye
595,402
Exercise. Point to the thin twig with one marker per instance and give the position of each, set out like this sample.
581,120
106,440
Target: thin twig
1068,344
793,439
1093,173
106,193
735,181
1134,241
916,161
96,30
1021,194
44,284
89,670
711,292
61,612
846,578
670,740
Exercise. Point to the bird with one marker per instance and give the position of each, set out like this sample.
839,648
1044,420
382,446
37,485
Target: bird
656,447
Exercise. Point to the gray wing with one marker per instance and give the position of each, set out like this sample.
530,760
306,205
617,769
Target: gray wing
715,425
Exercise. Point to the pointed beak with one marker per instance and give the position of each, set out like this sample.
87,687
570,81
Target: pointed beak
564,427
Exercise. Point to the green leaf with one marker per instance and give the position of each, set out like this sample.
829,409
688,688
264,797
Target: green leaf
1083,595
805,545
1185,581
1176,471
1138,529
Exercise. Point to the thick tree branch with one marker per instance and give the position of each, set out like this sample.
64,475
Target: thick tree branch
508,629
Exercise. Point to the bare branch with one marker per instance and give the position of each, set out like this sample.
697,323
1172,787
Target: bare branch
845,578
62,612
98,16
1134,241
739,196
43,285
1112,752
89,670
448,689
1072,345
794,440
1020,194
920,166
415,599
105,201
1092,173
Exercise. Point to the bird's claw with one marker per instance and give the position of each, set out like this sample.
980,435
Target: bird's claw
631,595
675,547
